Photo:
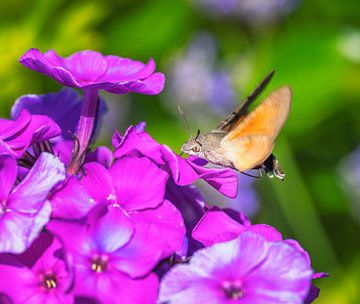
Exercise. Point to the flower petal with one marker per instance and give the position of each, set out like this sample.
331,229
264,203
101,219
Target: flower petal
284,276
168,222
71,201
117,288
123,69
111,231
139,183
98,182
86,66
18,230
90,69
63,107
215,227
142,253
8,171
183,172
102,155
29,196
152,85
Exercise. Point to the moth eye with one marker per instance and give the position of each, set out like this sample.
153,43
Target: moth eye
196,149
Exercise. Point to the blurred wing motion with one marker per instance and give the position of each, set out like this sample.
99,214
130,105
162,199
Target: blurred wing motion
251,136
240,112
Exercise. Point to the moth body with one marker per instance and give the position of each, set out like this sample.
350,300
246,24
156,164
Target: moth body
245,140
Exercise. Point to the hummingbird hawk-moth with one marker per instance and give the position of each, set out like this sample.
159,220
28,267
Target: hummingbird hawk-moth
244,140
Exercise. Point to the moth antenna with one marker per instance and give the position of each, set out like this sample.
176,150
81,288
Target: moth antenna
182,115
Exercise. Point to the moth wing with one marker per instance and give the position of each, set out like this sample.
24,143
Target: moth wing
241,110
252,138
247,152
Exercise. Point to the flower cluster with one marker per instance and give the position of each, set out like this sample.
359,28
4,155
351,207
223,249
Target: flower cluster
123,225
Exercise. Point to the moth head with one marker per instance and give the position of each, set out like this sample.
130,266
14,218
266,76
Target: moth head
193,146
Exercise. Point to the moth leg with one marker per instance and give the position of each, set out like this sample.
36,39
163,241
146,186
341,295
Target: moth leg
272,167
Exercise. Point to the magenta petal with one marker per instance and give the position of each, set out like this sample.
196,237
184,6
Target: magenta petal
86,66
181,288
72,201
78,243
223,180
17,278
29,196
111,231
89,69
184,172
117,288
9,128
41,128
139,183
63,149
266,231
98,182
313,294
169,223
210,266
149,86
8,171
216,226
122,69
140,255
18,230
284,276
102,155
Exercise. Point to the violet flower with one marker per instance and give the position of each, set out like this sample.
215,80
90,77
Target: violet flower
192,206
91,71
63,107
219,225
211,90
26,130
24,209
47,278
248,269
224,225
137,185
253,12
183,171
112,257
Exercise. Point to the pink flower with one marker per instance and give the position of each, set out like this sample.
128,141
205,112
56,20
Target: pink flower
92,70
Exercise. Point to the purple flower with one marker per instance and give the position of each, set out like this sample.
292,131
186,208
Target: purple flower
192,206
24,209
254,12
137,185
248,269
224,225
112,257
63,107
45,280
183,171
101,154
27,130
212,85
91,70
219,225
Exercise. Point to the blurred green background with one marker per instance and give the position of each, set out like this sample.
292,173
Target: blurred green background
313,45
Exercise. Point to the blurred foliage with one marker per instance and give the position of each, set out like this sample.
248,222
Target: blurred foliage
315,49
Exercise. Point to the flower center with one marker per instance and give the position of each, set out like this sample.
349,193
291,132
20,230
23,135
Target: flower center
99,264
233,290
3,208
49,281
